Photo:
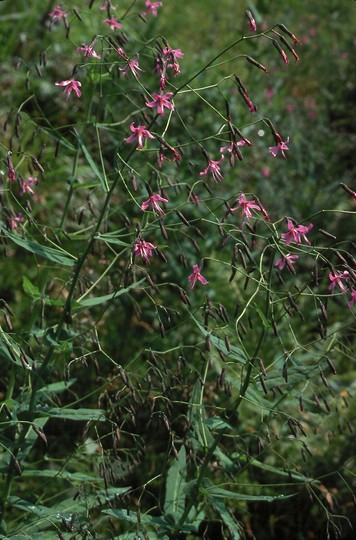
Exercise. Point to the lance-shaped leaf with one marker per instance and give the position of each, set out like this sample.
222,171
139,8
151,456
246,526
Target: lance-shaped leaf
52,254
175,492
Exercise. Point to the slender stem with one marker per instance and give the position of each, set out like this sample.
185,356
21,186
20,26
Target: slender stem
233,408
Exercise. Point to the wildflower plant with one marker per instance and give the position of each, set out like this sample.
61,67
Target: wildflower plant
172,365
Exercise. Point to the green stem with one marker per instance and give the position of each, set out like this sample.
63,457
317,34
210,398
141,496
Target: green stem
233,409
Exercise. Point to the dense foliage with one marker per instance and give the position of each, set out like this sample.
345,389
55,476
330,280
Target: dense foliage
178,274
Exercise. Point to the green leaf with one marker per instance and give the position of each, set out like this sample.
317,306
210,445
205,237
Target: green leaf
226,517
90,302
196,417
175,494
110,238
131,517
92,164
30,289
62,475
85,415
37,509
291,475
51,254
217,423
261,315
226,494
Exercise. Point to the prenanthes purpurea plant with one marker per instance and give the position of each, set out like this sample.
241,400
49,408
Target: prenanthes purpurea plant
171,342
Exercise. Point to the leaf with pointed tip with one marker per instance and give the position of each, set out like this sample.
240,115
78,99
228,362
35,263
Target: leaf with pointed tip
175,494
52,254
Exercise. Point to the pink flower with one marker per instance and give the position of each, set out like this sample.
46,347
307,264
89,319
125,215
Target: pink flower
172,55
280,147
57,14
133,66
26,185
353,298
107,5
151,7
87,51
139,134
176,53
194,198
15,220
160,101
174,155
251,21
69,86
246,205
153,201
213,169
112,23
144,250
196,276
296,234
11,175
336,279
233,150
286,259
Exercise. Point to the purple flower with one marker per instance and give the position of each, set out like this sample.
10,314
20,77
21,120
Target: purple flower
112,23
353,298
139,133
172,55
57,14
245,205
336,279
15,220
251,21
11,174
26,185
106,5
213,169
161,101
280,146
296,234
70,86
132,65
87,51
144,250
151,7
196,276
233,150
153,202
286,259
